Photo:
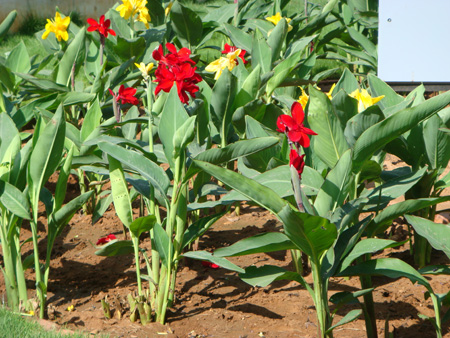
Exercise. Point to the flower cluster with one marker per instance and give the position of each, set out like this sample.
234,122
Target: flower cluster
230,61
102,26
176,67
130,8
304,98
297,134
58,27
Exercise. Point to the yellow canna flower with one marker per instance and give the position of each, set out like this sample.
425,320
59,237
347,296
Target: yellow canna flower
303,99
276,18
71,308
145,69
224,62
58,27
130,8
329,94
364,99
168,8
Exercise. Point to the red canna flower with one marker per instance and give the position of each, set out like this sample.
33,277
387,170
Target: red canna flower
210,265
106,239
102,26
293,126
176,67
230,49
297,161
125,95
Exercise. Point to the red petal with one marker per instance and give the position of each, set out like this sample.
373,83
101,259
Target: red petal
92,22
297,112
288,121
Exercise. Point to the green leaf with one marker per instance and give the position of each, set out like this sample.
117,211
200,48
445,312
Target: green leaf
336,186
61,185
368,246
14,200
249,89
148,169
44,84
186,24
8,80
7,23
387,130
46,155
10,145
18,60
183,136
261,53
198,228
349,317
277,38
76,98
239,38
249,188
409,206
281,72
266,274
220,261
436,234
223,95
172,117
119,190
142,224
261,243
75,48
389,267
361,122
91,120
127,49
161,243
379,87
437,143
311,234
115,248
348,83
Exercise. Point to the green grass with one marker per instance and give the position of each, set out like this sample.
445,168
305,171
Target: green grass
13,325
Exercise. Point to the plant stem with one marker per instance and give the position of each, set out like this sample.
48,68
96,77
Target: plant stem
135,241
321,301
41,293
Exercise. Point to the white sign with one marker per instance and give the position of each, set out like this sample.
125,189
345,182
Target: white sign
413,41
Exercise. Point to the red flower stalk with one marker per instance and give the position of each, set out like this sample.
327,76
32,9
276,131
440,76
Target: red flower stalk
293,126
106,239
297,161
102,26
230,49
210,265
176,67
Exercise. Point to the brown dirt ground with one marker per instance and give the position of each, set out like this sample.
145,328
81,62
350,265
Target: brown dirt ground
215,302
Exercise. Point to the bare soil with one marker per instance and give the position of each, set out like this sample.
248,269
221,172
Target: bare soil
215,302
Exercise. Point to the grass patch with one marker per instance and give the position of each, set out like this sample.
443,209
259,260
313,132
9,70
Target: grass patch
13,325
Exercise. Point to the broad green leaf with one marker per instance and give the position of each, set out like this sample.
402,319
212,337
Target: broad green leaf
70,56
7,23
268,242
346,297
277,37
311,234
330,144
379,88
281,72
223,95
10,145
46,155
91,120
142,224
183,136
186,24
75,98
335,188
156,11
18,60
198,228
347,82
368,246
239,38
261,53
102,205
8,80
389,267
345,106
409,206
172,117
249,188
119,190
14,200
162,243
361,122
363,41
249,89
437,143
380,134
349,317
115,248
220,261
127,49
44,84
267,274
436,234
60,218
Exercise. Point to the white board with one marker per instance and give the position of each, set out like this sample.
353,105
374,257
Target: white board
413,41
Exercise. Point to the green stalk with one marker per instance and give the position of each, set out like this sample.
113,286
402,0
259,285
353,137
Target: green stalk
369,308
41,293
437,311
321,301
135,241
